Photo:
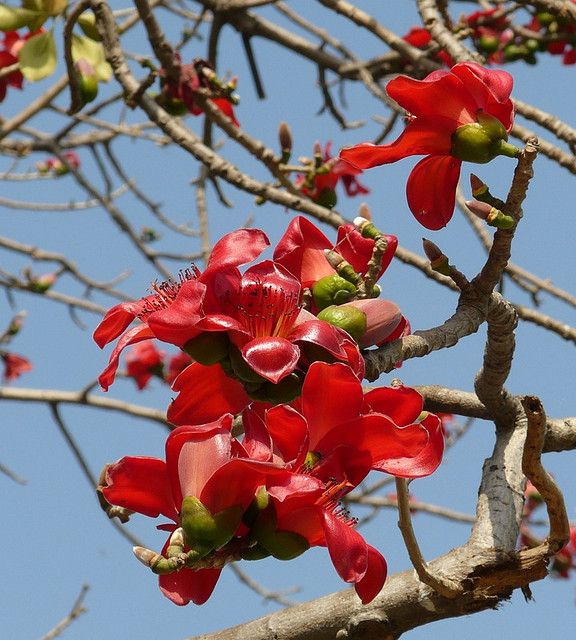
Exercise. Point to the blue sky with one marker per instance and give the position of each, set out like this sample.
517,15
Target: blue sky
55,538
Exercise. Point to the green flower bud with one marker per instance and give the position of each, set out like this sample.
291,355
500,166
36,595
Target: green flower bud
208,348
87,80
481,141
545,18
332,289
348,318
283,545
203,531
488,44
173,106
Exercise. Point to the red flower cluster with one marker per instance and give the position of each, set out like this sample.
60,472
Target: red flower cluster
461,114
558,35
421,38
310,433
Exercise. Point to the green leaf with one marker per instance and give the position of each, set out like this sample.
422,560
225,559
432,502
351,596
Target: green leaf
38,57
14,18
93,52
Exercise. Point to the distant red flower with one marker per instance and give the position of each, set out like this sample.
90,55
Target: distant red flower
456,115
11,44
420,38
321,186
176,365
143,361
58,167
14,366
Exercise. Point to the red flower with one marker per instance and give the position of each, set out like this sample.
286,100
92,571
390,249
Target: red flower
172,312
301,250
383,429
144,361
203,470
420,38
14,366
456,115
320,186
318,518
176,365
11,44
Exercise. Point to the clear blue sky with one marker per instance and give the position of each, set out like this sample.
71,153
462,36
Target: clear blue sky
54,538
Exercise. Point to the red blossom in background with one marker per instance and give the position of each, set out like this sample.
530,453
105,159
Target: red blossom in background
319,185
11,44
14,366
420,38
143,361
456,115
176,365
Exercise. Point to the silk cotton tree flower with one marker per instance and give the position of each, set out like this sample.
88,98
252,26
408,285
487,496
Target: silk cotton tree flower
204,487
463,114
302,250
384,429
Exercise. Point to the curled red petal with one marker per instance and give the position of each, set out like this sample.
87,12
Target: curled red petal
289,432
227,109
431,190
204,394
237,248
272,358
140,484
185,586
301,251
371,584
347,548
116,321
428,460
137,334
401,404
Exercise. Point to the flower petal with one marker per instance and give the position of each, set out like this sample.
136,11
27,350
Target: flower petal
137,334
204,394
140,484
289,432
346,398
237,248
427,461
176,323
301,251
371,584
117,320
401,404
347,548
272,358
185,586
441,95
357,250
431,190
424,136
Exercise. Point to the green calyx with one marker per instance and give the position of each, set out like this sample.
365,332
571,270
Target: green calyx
327,198
346,317
203,531
286,390
241,369
282,545
208,348
482,141
332,289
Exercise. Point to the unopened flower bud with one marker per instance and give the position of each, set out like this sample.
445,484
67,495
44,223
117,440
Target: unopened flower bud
478,187
493,217
364,211
42,283
87,80
87,22
438,261
317,150
16,323
367,228
341,266
384,321
285,139
327,198
346,317
332,289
